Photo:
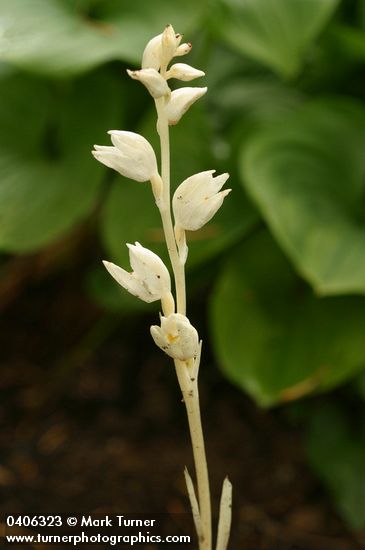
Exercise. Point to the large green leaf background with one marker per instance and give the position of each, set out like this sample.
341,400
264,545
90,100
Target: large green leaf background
277,33
273,337
336,451
48,179
306,175
64,37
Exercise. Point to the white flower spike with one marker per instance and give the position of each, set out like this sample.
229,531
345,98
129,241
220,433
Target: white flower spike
132,156
154,82
183,72
195,202
176,337
149,280
197,199
180,102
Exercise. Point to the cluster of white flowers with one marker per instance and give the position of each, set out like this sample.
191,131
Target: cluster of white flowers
195,200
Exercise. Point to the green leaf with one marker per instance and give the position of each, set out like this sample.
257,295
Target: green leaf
130,214
277,33
350,42
359,385
62,37
48,178
306,175
275,339
259,97
336,450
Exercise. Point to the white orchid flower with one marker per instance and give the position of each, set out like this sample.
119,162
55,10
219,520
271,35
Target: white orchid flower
176,337
154,82
131,155
197,199
180,102
149,280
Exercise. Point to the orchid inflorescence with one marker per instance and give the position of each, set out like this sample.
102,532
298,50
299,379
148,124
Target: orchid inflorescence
194,203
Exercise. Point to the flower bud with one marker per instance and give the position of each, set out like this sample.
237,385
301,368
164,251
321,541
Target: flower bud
183,49
154,82
151,58
169,44
132,155
149,280
184,72
180,102
176,337
197,199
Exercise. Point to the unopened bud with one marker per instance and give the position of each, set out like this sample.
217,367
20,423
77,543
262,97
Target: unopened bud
151,58
183,49
169,44
154,82
184,72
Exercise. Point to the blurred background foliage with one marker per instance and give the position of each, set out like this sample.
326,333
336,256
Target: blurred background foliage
285,115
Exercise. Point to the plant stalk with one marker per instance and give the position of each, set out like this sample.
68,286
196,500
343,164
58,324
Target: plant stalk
188,385
189,389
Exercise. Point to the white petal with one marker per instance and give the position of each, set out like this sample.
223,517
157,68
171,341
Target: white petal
192,215
150,269
203,213
184,72
196,200
151,58
158,337
110,156
131,142
154,82
126,166
194,187
169,44
127,281
180,102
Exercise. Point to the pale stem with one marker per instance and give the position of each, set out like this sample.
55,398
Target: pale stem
189,387
165,207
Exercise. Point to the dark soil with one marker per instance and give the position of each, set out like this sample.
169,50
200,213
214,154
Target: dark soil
92,421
